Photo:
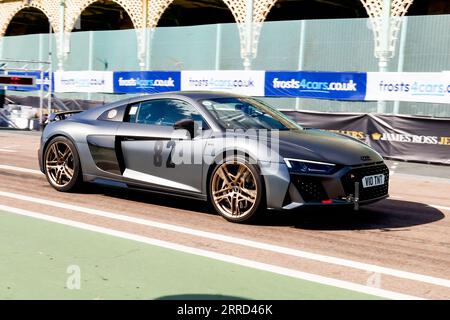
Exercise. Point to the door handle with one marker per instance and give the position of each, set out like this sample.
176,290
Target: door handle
142,138
129,139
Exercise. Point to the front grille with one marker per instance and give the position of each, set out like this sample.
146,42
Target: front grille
356,175
310,188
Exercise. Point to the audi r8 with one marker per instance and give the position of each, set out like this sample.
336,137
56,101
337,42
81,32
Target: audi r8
237,152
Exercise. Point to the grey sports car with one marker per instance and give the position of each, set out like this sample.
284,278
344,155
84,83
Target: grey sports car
234,151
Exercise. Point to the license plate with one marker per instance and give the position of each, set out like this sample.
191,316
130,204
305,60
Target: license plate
373,181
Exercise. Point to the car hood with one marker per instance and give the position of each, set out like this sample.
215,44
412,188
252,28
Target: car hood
323,146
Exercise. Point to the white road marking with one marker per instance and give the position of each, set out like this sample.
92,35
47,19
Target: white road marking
423,178
7,150
439,207
18,169
235,240
217,256
430,205
392,170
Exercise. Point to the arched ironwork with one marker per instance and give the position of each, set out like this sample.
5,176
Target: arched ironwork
10,9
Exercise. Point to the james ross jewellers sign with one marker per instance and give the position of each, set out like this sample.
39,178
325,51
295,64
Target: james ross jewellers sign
400,137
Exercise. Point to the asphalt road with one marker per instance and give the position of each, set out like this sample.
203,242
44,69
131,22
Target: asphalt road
400,245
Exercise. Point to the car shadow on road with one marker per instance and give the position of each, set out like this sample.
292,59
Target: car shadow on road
152,198
387,215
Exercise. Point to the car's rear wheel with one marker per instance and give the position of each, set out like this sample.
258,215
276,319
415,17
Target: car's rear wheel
62,165
236,190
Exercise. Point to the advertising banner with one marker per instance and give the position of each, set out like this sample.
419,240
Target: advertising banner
240,82
433,87
399,137
146,81
411,138
346,86
84,81
316,85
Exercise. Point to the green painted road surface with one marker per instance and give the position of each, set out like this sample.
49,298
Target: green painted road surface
36,255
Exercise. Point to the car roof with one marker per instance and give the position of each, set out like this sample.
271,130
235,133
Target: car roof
193,95
196,95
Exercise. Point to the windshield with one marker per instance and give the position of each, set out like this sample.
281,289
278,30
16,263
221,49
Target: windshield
248,113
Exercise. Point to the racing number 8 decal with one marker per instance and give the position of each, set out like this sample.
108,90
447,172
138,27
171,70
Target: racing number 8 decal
169,163
158,157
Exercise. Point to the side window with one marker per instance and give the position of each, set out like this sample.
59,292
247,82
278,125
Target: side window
114,114
163,112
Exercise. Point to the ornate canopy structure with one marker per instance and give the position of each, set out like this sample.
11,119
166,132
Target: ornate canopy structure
386,17
248,14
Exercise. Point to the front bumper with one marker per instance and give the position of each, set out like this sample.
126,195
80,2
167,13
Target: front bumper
342,188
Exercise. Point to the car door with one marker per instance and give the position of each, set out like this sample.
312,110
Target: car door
156,154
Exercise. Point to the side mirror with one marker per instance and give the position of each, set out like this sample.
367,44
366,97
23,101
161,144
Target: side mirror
187,124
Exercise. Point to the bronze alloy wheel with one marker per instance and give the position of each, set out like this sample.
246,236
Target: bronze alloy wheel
235,191
59,164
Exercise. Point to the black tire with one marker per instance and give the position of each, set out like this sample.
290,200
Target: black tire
254,212
72,162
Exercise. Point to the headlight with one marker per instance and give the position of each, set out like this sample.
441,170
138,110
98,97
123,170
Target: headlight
312,167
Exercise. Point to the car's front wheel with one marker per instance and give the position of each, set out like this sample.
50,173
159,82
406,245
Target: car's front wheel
236,190
62,165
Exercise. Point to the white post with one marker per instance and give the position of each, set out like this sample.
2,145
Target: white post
385,35
42,76
301,49
218,45
91,56
401,56
41,48
301,54
62,13
41,98
148,44
91,51
385,45
248,35
50,68
141,35
143,56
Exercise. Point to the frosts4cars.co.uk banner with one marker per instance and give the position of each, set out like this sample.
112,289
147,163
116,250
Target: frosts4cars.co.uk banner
432,87
316,85
84,81
147,81
249,83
